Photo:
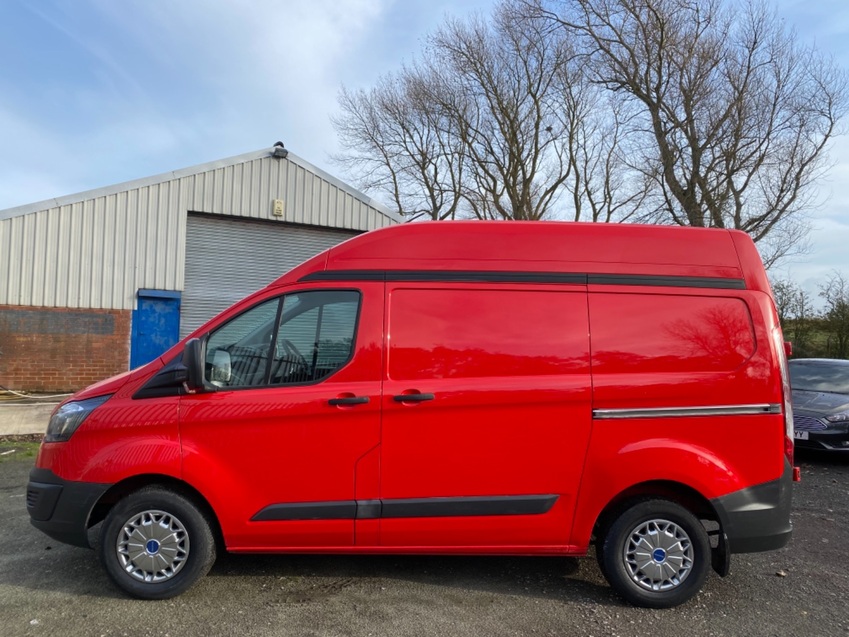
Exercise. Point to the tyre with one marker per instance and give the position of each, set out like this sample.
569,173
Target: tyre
155,544
656,554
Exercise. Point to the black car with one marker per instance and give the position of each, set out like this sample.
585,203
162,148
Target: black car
820,403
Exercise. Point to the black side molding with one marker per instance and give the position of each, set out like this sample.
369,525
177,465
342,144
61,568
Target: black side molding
462,507
345,510
409,508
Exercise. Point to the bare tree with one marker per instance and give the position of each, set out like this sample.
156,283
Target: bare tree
503,95
602,186
835,293
396,143
496,119
734,113
796,313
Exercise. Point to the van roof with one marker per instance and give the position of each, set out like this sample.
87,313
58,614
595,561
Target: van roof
537,246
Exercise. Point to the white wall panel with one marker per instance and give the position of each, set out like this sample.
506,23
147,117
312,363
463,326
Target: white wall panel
97,248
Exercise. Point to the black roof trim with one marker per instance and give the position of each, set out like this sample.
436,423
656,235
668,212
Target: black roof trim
488,276
667,281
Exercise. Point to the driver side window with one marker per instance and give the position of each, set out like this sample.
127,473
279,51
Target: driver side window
237,352
299,338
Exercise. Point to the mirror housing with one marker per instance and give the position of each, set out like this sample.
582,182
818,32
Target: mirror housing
176,377
194,355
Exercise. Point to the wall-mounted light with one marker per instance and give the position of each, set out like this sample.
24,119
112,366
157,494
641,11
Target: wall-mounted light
278,151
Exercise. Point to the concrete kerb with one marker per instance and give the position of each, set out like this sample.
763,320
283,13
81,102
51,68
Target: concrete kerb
24,418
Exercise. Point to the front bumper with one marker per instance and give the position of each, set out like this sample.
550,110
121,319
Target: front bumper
827,440
758,518
61,508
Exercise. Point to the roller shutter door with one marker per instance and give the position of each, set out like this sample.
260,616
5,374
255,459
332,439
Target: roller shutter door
228,258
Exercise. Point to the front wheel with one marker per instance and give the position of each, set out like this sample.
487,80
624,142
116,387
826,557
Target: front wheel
155,544
656,554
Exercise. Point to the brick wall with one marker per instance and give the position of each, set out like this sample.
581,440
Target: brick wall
60,349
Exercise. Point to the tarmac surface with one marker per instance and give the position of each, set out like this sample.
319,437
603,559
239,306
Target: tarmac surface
48,589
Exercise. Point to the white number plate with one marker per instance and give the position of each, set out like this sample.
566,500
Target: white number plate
800,435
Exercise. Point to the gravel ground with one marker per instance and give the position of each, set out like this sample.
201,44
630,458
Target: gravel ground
52,589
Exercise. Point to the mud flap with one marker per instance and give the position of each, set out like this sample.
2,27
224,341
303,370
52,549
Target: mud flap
721,556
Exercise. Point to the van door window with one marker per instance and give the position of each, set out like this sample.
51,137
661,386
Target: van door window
237,352
315,337
299,338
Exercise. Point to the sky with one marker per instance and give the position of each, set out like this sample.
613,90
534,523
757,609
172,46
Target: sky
96,92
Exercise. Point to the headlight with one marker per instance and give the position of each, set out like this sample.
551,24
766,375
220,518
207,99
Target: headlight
70,416
841,417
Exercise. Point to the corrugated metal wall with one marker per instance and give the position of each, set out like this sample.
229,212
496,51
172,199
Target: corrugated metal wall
227,260
97,251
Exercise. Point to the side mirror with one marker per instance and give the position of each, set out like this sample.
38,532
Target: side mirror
194,355
222,368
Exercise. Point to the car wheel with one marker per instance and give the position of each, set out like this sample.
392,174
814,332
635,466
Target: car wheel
656,554
156,543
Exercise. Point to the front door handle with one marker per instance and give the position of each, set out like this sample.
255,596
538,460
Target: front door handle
348,400
412,398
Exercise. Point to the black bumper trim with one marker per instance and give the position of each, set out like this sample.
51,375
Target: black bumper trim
61,508
758,518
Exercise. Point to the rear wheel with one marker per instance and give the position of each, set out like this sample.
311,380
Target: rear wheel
156,543
656,554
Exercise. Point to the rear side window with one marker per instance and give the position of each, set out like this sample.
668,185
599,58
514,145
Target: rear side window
486,333
669,333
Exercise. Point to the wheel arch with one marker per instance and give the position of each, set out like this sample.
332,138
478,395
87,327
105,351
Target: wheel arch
677,492
128,486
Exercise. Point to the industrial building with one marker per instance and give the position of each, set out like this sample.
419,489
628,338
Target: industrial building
102,281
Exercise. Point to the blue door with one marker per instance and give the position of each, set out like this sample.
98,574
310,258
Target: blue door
156,325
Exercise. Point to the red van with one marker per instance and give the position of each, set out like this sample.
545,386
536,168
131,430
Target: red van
455,388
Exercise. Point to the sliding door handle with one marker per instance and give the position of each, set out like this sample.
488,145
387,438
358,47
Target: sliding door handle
412,398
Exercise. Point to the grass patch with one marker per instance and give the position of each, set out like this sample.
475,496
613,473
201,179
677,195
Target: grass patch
17,451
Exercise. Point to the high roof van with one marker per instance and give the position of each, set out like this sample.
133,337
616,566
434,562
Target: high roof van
493,388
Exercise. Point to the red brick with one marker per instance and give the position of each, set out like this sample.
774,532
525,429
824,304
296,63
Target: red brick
63,361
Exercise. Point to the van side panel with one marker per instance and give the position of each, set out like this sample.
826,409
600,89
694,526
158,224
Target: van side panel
495,457
659,357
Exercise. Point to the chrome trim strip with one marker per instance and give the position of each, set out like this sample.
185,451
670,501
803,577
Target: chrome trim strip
684,412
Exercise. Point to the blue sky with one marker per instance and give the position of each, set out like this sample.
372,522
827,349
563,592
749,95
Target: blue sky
95,92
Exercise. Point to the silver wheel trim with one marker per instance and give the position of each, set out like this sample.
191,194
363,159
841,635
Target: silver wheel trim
658,555
152,546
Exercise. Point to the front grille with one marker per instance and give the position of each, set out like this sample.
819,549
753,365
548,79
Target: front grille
808,423
32,498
